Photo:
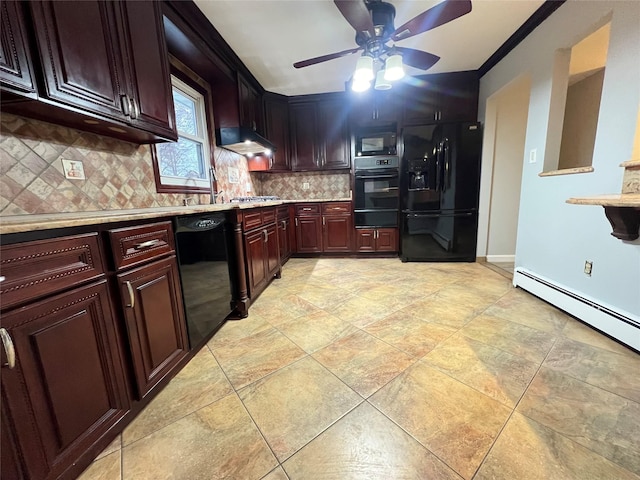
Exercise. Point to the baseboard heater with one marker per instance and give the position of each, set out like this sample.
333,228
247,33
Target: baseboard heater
621,327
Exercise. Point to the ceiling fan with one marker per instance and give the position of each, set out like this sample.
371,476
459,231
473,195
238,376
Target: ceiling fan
375,37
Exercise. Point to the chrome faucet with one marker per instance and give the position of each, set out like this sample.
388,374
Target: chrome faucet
212,182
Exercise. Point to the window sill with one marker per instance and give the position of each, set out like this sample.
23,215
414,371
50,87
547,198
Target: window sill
566,171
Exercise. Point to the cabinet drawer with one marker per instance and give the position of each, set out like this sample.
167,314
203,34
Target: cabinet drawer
135,245
283,213
336,208
307,209
36,269
252,220
268,216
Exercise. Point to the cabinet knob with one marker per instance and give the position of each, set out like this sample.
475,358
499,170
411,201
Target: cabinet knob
9,349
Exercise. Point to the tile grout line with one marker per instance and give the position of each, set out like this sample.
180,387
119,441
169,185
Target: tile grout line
514,409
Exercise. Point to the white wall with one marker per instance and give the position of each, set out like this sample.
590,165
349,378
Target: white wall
505,130
555,238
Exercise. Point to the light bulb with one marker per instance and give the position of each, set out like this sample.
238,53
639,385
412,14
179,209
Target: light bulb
364,69
360,85
393,68
381,83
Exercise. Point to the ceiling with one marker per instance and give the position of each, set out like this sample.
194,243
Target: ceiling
270,35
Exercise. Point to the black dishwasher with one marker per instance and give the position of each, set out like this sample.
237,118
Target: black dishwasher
204,245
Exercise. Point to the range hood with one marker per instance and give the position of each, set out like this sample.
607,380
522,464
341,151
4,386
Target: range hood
243,141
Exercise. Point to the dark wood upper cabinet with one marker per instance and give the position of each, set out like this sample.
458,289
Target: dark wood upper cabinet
320,134
276,112
250,108
305,149
16,72
82,56
334,131
446,97
103,67
374,107
150,82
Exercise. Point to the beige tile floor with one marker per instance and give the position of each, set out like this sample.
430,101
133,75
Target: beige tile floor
377,369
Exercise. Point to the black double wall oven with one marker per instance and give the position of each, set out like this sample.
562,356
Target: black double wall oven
376,191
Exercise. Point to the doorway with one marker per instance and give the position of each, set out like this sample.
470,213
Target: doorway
505,133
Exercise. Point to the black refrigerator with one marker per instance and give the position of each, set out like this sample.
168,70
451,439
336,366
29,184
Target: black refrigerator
439,188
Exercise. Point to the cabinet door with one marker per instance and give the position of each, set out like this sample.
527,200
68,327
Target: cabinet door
387,240
152,302
420,104
458,97
16,73
284,239
255,253
67,388
337,233
249,105
333,133
304,127
309,234
365,240
150,83
277,131
272,250
81,55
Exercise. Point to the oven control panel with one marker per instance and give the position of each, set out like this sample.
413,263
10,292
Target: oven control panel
382,161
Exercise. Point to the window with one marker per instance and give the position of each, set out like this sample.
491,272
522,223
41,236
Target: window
184,165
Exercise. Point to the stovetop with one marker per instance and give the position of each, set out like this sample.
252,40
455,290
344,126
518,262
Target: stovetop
266,198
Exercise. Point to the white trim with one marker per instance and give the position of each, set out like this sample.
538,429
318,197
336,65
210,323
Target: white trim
614,323
201,137
501,258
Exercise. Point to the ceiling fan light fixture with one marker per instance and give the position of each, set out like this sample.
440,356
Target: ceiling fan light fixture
381,83
360,85
394,69
364,69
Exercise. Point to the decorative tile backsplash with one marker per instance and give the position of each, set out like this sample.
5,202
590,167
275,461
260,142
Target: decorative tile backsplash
322,185
119,175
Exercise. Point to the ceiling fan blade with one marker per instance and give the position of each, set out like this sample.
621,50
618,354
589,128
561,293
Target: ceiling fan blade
434,17
417,58
357,14
324,58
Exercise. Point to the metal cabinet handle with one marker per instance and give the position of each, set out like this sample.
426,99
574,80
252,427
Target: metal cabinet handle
125,104
135,110
306,209
2,279
266,236
9,349
284,225
323,221
296,221
147,244
132,297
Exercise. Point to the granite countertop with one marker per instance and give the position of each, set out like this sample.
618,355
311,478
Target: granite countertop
46,221
613,200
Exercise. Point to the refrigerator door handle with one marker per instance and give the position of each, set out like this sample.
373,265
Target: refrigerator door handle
438,215
447,163
438,166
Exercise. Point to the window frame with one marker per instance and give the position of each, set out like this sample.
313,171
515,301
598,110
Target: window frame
184,77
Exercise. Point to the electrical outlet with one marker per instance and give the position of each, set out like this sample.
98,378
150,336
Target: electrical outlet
305,185
588,267
532,155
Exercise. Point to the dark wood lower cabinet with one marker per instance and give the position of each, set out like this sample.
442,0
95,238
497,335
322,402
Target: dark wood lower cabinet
68,384
262,250
154,313
309,234
337,233
376,240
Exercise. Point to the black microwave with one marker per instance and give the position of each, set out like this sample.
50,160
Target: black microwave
378,140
